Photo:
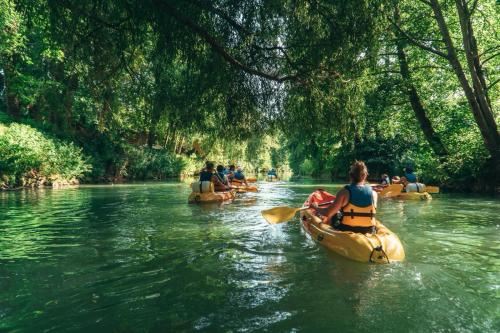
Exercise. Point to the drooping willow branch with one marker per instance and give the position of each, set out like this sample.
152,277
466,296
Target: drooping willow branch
218,48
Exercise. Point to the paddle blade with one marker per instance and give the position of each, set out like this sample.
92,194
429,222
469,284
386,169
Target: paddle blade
279,214
432,189
391,190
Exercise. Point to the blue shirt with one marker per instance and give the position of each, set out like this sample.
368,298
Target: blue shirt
411,177
360,195
206,176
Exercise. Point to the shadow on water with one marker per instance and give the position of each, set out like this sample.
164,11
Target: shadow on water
139,258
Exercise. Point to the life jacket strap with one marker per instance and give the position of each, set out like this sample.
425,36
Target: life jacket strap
352,214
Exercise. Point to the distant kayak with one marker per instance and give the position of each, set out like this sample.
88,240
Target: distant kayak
395,191
197,197
249,180
244,188
414,196
382,247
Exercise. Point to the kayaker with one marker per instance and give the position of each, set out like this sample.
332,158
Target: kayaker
231,171
383,183
412,186
384,180
410,176
355,205
272,174
239,175
221,175
207,174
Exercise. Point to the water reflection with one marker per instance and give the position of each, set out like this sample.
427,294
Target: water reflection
118,258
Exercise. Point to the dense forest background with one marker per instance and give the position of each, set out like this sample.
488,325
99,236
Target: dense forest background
104,90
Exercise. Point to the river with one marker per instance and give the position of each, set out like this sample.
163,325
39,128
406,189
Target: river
138,258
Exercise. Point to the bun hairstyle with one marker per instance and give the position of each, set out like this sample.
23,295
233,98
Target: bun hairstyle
358,171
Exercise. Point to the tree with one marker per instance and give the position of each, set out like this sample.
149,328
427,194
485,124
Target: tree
476,94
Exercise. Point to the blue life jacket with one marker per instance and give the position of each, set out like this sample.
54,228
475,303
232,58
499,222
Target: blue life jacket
411,177
360,195
206,176
239,175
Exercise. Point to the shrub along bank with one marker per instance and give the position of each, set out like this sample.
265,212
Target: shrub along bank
31,158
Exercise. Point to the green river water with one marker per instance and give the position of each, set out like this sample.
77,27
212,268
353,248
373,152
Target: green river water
138,258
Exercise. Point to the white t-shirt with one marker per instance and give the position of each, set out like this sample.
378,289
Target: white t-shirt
415,187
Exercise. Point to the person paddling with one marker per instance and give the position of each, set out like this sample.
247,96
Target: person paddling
410,176
412,186
272,173
207,174
221,175
231,171
384,180
355,205
240,176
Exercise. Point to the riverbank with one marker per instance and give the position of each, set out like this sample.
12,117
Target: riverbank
32,156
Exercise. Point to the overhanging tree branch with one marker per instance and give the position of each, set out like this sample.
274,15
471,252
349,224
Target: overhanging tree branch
218,48
419,44
205,5
492,84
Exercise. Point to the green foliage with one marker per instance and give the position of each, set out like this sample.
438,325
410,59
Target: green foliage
147,163
313,85
307,167
27,153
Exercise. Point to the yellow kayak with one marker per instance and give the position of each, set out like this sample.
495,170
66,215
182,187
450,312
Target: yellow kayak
396,191
414,196
382,247
249,180
244,189
197,197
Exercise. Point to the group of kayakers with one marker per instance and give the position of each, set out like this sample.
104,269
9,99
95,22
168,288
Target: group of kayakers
409,181
222,177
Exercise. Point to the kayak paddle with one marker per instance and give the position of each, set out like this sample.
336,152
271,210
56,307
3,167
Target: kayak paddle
432,189
391,191
284,213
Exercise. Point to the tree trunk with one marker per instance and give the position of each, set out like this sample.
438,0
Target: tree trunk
484,118
475,68
71,87
416,103
154,119
12,103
